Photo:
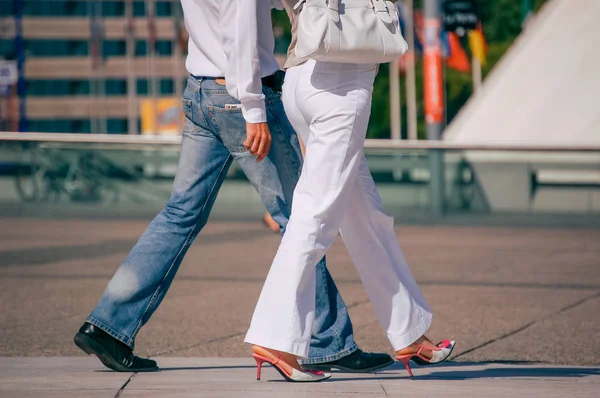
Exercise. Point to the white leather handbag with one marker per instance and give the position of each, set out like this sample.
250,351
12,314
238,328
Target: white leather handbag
349,31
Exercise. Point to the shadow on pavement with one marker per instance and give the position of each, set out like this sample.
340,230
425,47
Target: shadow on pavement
453,371
205,368
450,371
511,372
506,369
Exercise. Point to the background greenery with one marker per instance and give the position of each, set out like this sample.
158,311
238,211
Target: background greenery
501,25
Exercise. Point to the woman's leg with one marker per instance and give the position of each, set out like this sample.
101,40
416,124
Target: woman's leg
335,99
368,233
330,328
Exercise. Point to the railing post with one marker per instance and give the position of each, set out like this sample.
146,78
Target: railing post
21,83
437,182
434,100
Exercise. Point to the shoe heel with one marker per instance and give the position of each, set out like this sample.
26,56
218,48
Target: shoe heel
406,361
259,363
81,341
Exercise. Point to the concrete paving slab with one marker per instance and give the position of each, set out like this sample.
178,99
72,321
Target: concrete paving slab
58,394
551,340
240,394
58,375
474,316
235,377
483,283
494,380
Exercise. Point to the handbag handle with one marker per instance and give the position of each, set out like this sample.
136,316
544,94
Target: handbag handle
332,5
334,10
382,10
379,6
299,4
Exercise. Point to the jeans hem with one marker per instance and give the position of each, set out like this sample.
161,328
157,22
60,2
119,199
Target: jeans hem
105,328
330,358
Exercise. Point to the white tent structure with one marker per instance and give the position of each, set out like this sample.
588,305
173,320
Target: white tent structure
546,89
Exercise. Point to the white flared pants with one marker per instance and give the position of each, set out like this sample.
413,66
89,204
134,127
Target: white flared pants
328,105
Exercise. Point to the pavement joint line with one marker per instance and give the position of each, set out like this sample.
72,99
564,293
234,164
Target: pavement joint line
31,324
52,254
338,281
381,384
504,336
118,394
357,304
516,285
169,352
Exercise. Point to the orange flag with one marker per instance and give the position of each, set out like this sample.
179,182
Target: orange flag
457,58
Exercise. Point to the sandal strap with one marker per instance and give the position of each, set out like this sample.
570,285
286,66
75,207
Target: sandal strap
421,348
423,357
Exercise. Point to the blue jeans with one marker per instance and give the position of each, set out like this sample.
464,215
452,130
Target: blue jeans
213,137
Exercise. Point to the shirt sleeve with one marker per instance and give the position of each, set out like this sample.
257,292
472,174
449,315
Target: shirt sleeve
239,29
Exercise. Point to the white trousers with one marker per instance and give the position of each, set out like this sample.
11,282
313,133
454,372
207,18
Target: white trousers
328,105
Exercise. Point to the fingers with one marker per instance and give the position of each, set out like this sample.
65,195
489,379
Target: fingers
256,143
263,149
249,138
258,140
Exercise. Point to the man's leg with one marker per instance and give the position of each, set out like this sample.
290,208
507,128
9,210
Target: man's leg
141,282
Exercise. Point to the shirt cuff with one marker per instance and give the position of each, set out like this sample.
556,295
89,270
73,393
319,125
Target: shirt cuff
254,111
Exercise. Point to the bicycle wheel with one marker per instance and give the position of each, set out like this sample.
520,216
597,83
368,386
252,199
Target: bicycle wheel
30,184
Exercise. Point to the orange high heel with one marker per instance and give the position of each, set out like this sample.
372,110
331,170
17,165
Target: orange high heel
440,354
298,376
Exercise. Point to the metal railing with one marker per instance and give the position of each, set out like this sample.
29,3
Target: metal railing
133,141
52,164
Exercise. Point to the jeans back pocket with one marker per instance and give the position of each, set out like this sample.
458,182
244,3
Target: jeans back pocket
230,126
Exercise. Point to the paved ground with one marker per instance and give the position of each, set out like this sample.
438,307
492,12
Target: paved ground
521,303
235,378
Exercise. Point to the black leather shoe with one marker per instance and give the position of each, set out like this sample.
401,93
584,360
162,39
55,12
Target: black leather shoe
357,362
112,353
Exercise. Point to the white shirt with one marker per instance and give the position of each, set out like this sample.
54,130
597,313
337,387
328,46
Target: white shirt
233,39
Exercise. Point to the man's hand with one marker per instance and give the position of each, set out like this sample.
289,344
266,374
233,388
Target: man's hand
258,140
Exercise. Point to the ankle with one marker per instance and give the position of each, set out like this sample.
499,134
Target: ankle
421,343
275,356
411,349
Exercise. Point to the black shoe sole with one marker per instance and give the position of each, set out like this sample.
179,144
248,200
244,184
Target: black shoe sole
327,368
91,347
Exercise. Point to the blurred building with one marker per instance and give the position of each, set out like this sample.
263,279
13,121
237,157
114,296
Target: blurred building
545,88
76,63
544,91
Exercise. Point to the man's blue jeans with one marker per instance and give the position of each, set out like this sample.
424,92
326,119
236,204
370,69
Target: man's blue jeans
213,137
